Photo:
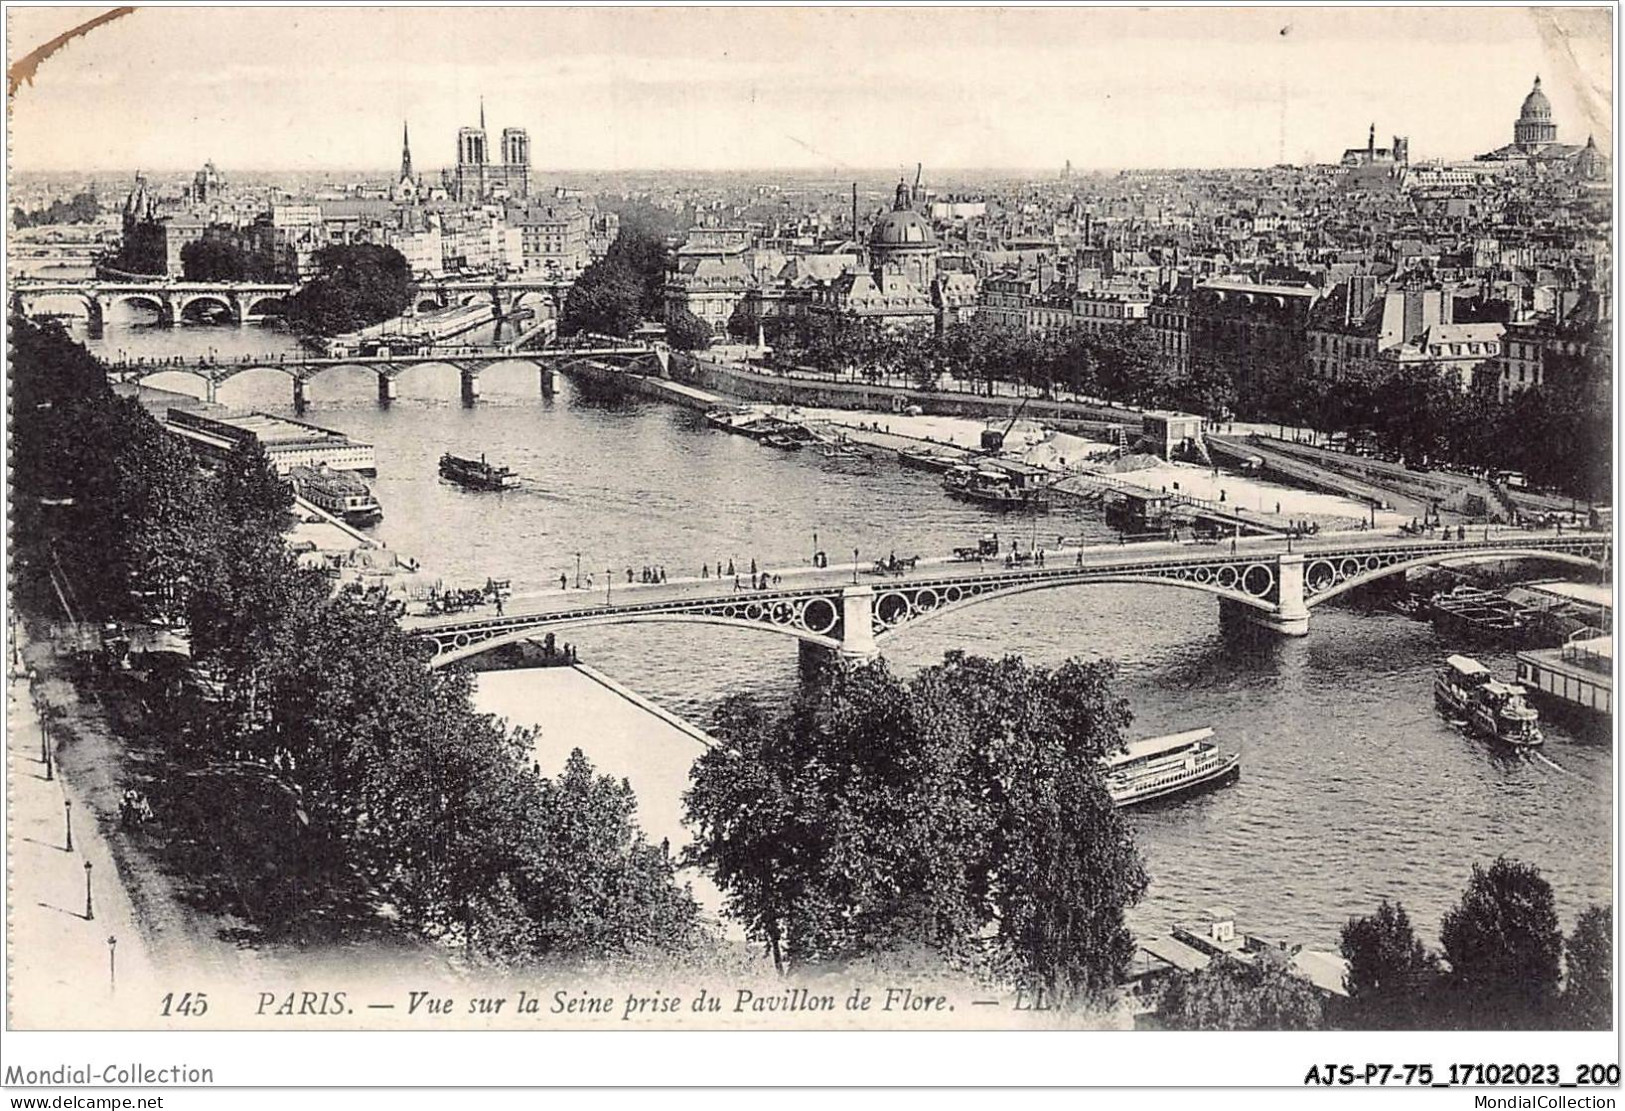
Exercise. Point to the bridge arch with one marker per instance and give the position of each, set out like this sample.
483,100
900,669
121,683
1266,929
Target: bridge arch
147,300
888,628
53,301
266,304
1325,579
184,304
225,372
529,632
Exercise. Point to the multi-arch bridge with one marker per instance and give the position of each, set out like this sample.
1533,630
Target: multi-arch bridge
467,359
170,300
242,301
1269,586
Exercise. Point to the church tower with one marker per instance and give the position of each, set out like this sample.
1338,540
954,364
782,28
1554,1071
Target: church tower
406,153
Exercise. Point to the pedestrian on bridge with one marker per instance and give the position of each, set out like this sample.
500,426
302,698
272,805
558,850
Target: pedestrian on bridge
564,581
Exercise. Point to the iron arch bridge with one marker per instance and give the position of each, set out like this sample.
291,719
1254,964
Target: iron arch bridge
1270,587
468,360
1325,576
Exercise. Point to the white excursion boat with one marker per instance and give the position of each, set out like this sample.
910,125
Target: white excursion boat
1465,689
1163,766
1499,711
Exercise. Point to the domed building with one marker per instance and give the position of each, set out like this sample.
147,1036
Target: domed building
902,245
1534,144
1534,128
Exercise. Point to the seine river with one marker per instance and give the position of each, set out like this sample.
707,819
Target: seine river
1353,789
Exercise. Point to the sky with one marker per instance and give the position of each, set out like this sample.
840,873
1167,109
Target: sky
305,88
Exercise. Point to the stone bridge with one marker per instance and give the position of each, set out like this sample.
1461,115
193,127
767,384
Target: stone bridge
467,359
1267,585
170,299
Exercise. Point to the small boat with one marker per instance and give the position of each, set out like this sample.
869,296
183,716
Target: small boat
477,474
1498,710
1161,767
338,493
781,440
926,460
1454,683
842,450
733,420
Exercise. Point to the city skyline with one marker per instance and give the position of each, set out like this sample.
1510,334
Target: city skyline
800,89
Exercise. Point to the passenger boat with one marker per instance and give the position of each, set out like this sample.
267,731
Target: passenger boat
995,486
1499,710
1454,683
477,474
1165,766
339,493
1466,690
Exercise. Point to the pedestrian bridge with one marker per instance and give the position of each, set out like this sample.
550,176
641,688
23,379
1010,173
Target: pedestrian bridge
1271,586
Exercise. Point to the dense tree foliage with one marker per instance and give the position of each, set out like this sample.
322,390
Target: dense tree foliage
1230,994
622,289
1392,978
144,250
685,331
216,259
963,810
334,779
1588,985
81,208
355,286
1504,949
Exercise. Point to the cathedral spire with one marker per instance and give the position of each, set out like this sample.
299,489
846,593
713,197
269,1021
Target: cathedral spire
406,153
482,113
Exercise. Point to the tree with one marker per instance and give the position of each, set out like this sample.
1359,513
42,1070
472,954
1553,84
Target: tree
1391,977
144,250
1588,990
962,810
685,331
1504,949
216,259
81,208
605,300
1232,994
355,286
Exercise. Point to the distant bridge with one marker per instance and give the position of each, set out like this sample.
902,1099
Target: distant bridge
171,298
1269,586
392,361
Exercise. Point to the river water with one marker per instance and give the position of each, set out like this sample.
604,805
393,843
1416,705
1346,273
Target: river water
1353,788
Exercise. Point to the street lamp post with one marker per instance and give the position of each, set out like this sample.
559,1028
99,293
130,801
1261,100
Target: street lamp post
67,822
854,567
609,583
578,570
90,912
112,965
